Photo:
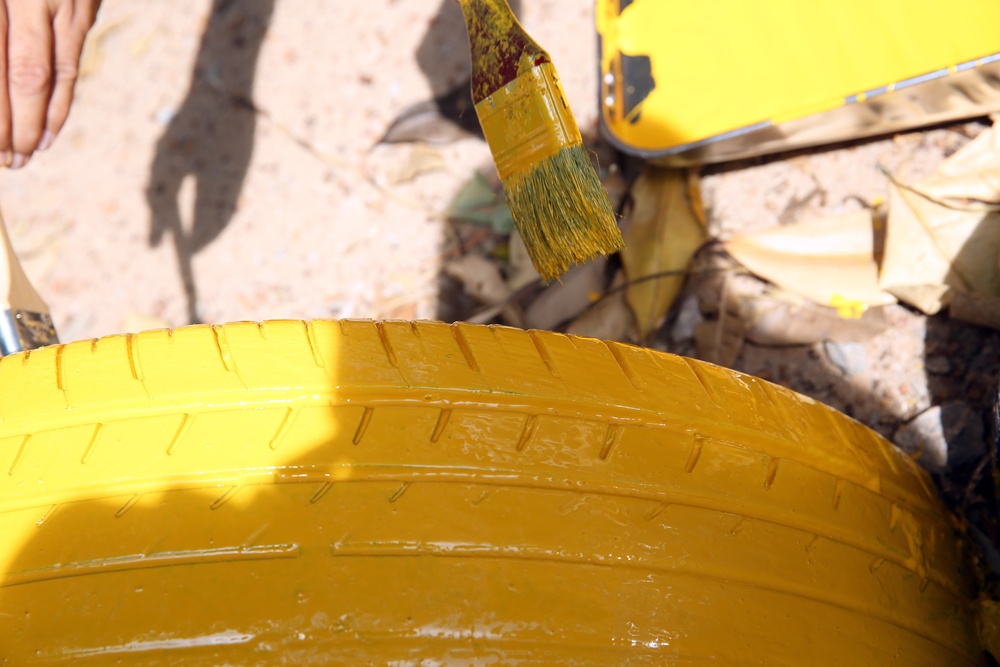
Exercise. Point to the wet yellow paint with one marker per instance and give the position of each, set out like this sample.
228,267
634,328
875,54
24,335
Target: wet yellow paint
528,120
562,212
417,493
555,197
729,64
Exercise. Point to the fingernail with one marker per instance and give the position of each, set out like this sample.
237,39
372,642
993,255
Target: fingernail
18,161
5,158
47,139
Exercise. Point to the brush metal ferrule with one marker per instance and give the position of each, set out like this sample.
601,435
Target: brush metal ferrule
527,120
25,330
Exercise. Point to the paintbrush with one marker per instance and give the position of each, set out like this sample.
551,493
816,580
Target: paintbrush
24,318
554,194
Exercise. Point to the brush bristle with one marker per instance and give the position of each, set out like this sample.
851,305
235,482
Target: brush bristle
562,212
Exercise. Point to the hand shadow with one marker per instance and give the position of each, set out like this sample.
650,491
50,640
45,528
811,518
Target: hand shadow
211,136
443,57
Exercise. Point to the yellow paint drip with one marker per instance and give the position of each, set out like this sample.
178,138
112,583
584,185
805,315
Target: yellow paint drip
527,120
850,309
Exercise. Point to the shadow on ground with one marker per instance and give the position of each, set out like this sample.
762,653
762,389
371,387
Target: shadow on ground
209,138
443,57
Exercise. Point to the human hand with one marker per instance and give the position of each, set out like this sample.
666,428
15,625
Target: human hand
42,41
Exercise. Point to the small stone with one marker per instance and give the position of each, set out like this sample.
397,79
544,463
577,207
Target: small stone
923,439
164,115
943,437
849,357
964,431
688,319
937,365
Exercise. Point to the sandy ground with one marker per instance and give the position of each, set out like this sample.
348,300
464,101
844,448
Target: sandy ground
290,211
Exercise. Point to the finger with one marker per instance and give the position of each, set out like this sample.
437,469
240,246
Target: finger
6,154
70,28
29,72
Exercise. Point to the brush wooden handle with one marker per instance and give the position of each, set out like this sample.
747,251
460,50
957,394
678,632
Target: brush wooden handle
501,49
25,323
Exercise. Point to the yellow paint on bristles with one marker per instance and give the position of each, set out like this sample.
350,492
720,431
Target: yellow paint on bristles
554,194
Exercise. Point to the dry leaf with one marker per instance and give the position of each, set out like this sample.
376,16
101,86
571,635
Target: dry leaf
785,319
93,47
522,270
689,316
662,235
979,309
608,319
829,261
944,233
988,620
141,45
477,202
615,184
559,302
932,248
439,121
480,278
695,198
138,322
720,341
420,160
971,174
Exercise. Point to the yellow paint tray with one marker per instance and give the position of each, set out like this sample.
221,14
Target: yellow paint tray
697,82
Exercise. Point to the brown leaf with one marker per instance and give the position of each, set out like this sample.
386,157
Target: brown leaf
480,279
662,235
522,271
830,261
720,341
579,288
439,121
784,319
93,48
135,322
970,175
979,309
608,319
420,160
944,233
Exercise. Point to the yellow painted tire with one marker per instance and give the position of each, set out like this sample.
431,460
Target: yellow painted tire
420,494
